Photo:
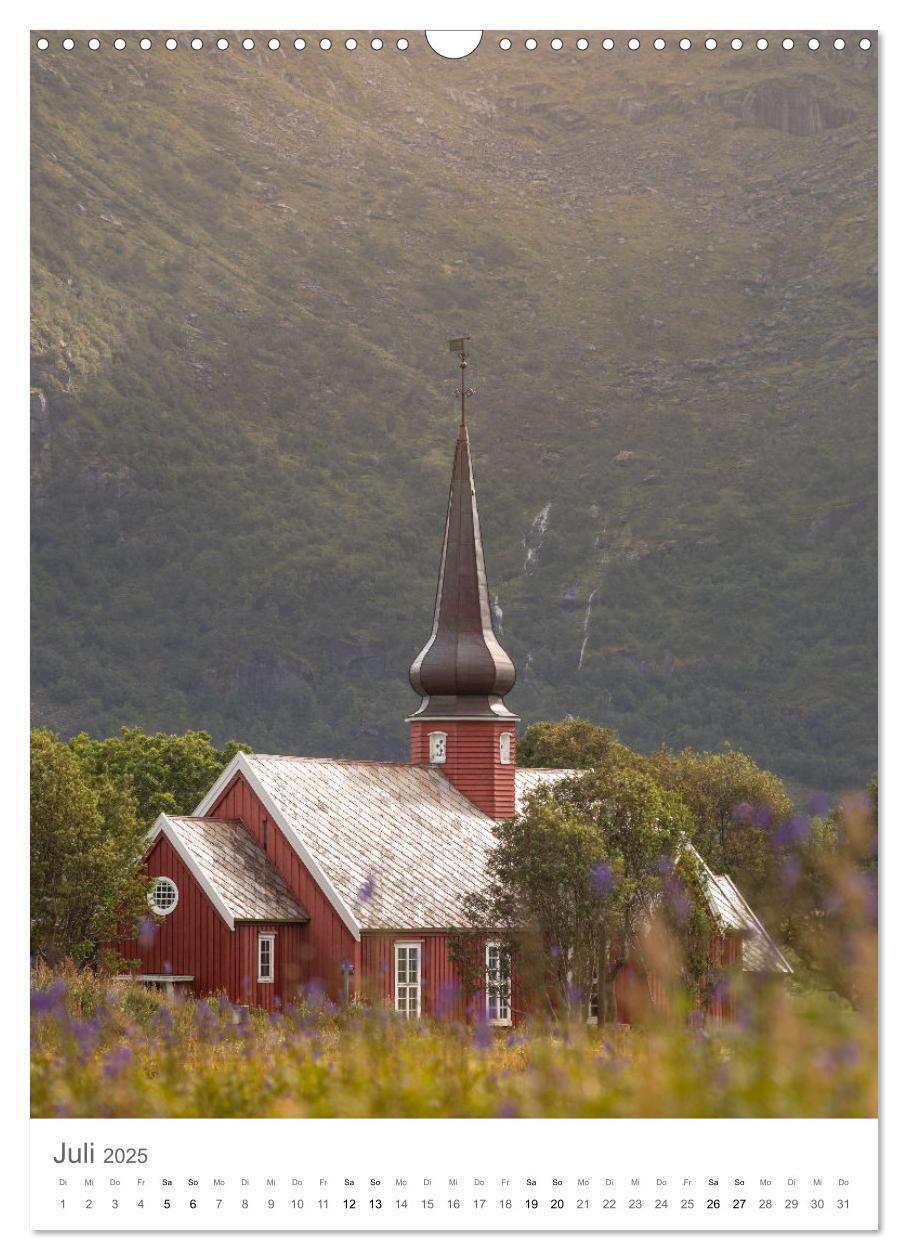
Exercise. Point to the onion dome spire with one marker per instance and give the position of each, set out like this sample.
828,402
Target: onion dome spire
463,671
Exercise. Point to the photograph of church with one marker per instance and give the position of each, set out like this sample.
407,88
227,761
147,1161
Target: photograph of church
302,873
580,820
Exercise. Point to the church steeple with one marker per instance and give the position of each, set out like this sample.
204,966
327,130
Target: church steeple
463,672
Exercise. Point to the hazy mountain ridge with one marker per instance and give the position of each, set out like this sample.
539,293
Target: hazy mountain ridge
246,266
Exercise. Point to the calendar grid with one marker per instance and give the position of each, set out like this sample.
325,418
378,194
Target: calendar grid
384,1174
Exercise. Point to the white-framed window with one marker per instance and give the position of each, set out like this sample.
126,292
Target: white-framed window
498,986
592,1010
164,896
266,958
407,978
504,747
438,747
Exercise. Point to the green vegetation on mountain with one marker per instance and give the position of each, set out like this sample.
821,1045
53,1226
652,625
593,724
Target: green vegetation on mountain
246,266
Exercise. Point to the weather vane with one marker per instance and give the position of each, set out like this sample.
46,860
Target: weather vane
458,346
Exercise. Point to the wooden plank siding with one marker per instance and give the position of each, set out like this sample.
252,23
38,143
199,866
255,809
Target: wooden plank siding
327,942
194,940
638,996
472,761
441,995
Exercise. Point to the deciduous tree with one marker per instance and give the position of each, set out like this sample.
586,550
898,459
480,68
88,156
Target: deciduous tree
574,879
86,843
735,809
166,774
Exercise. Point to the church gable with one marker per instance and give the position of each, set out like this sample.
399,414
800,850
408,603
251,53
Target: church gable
389,845
224,863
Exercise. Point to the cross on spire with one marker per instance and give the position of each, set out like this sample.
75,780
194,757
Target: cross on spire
458,346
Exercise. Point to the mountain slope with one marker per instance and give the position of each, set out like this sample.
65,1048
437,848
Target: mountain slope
246,266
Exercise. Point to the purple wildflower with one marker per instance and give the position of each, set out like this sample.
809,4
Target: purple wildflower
819,804
448,996
800,827
763,817
148,930
791,870
48,999
117,1061
602,879
482,1034
86,1033
575,996
507,1109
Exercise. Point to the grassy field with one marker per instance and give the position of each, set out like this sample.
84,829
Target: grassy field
105,1048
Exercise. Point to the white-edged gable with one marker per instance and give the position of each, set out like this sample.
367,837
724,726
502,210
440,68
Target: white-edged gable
231,869
394,846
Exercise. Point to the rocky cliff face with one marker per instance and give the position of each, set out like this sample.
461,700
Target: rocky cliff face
245,270
794,108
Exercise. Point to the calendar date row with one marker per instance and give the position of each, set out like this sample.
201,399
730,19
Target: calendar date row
531,1204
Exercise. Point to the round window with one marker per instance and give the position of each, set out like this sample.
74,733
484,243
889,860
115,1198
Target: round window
164,896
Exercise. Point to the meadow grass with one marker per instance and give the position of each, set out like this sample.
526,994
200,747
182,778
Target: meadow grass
106,1048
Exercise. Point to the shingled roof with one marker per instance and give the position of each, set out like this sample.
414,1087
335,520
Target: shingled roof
396,846
758,950
227,861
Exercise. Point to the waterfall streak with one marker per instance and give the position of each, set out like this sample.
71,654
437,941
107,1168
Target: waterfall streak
586,626
533,540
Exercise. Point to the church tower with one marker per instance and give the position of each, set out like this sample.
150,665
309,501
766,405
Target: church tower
463,727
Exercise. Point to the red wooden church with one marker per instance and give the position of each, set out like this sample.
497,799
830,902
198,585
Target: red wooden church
297,873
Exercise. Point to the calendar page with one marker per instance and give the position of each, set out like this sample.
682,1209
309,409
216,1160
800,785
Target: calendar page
454,794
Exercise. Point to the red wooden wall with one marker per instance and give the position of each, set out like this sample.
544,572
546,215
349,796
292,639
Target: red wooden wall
328,942
472,761
443,995
637,997
194,940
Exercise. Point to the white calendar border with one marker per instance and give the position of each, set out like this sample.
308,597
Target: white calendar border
771,15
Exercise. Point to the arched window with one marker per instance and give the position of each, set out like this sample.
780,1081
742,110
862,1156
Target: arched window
438,747
164,896
504,745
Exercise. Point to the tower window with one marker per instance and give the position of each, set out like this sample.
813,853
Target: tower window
438,747
504,744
